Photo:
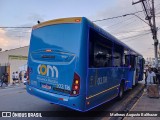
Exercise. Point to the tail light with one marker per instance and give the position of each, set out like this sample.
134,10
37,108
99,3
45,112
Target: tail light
75,85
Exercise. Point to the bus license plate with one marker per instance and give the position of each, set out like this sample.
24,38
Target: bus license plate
46,86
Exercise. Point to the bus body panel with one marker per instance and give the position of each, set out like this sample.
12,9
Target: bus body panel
71,102
54,69
56,53
130,79
103,84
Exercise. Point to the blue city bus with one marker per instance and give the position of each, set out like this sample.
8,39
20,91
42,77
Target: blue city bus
74,63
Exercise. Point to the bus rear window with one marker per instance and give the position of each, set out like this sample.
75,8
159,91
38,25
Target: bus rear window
59,37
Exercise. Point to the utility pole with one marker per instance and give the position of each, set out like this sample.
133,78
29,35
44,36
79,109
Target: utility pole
155,35
150,13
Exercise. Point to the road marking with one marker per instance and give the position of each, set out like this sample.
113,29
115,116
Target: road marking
126,118
136,102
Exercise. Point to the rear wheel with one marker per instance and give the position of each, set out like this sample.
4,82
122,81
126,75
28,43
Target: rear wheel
121,91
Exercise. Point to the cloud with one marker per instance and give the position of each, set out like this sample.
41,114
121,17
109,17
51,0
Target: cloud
7,41
18,37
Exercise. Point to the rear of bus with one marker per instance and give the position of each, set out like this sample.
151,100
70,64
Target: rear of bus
56,62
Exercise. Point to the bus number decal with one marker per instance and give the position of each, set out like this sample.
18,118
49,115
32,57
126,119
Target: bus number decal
62,86
101,80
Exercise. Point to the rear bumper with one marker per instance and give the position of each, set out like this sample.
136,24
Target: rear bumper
76,103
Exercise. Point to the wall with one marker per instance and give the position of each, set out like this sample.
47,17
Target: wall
14,58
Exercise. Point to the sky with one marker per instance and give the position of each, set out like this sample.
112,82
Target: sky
130,29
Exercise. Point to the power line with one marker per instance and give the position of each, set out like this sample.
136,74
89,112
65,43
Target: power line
124,15
135,36
15,27
13,30
131,32
117,16
139,28
126,24
120,22
140,35
134,30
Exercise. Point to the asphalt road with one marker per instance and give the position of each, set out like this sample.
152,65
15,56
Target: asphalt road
17,99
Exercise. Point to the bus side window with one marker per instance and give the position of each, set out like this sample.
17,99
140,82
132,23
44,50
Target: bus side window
117,59
132,61
102,56
117,55
100,50
127,61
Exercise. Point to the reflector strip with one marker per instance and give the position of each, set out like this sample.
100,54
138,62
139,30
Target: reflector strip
102,91
63,99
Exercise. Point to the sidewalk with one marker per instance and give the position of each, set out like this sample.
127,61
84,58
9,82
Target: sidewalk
145,104
12,86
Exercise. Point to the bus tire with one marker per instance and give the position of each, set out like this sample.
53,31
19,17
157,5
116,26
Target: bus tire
121,91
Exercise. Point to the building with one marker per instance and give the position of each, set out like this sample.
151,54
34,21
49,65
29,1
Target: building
13,60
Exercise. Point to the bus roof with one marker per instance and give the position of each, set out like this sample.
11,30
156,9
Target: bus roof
59,21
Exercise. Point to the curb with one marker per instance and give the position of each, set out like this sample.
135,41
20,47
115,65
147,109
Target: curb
130,102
